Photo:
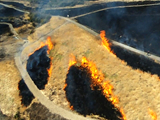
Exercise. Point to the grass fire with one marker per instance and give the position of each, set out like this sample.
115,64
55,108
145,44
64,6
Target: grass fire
39,67
88,93
153,114
105,42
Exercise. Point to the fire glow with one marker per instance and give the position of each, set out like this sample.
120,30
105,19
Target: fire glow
105,42
153,114
48,43
97,80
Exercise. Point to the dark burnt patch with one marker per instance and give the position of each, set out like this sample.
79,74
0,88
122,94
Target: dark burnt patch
9,12
137,61
86,100
37,111
37,66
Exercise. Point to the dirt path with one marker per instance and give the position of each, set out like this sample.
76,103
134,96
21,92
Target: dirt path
12,30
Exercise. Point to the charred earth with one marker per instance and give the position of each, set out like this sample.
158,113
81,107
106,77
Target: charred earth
37,66
84,99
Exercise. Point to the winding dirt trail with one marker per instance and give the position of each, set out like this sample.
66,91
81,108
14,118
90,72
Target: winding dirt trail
12,30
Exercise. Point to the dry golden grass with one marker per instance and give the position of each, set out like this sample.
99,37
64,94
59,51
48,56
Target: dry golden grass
9,93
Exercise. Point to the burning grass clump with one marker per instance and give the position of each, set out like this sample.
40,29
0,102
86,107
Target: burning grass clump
39,68
87,96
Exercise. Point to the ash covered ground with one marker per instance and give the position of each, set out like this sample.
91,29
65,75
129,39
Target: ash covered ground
86,100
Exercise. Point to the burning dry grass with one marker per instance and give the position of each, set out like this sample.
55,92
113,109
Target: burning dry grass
153,114
95,82
105,42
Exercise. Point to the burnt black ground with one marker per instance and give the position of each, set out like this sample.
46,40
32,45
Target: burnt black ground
4,29
37,111
136,27
137,61
37,66
9,12
85,100
17,5
25,93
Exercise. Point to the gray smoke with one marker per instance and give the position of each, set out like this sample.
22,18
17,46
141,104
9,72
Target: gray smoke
138,27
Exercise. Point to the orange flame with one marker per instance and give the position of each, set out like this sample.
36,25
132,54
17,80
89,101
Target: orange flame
72,60
65,85
153,114
98,80
48,43
71,107
50,69
122,112
105,42
98,77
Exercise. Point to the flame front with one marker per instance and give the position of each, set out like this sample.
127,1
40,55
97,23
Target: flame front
97,78
105,42
50,69
71,107
72,60
48,43
95,74
153,114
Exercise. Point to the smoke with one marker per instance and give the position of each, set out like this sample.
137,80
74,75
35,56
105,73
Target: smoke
37,66
84,99
135,26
